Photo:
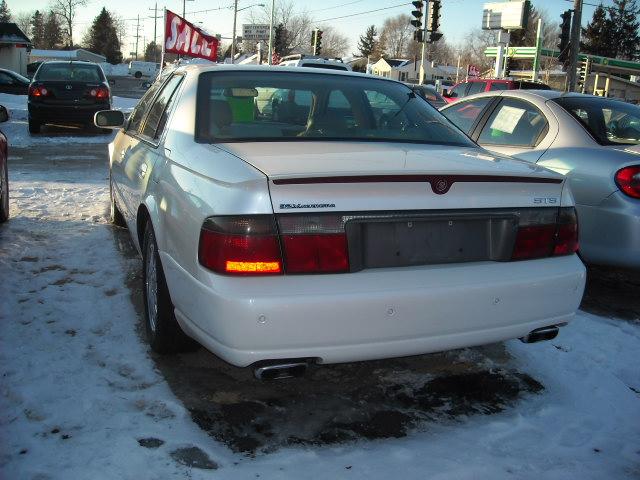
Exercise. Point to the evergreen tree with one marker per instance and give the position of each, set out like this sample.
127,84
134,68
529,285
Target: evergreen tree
5,13
597,35
367,43
152,53
37,30
52,31
625,19
103,37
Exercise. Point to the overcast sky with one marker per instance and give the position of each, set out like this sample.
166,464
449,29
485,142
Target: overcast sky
458,16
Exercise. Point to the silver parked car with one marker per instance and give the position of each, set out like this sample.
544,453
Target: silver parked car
358,224
594,141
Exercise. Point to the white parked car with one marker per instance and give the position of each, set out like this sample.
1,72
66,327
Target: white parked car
360,225
313,61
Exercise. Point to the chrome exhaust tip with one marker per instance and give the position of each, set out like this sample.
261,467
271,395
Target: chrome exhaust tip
279,371
541,334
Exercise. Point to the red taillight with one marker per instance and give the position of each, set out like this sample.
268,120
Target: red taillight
240,245
546,239
534,242
326,253
38,91
628,181
250,245
314,243
100,92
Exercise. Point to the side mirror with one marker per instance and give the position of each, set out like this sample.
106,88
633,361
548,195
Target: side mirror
4,115
445,93
109,119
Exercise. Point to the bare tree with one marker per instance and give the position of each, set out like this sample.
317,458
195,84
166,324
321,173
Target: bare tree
396,34
297,25
67,10
471,50
334,44
23,20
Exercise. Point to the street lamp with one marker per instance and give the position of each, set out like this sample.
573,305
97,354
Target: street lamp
235,17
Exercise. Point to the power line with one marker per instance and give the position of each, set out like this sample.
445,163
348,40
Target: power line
364,13
335,6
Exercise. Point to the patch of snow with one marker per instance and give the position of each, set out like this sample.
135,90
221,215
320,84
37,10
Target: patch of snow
17,128
79,392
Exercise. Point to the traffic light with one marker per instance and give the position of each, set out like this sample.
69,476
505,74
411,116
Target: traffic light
433,22
565,33
316,41
508,65
583,73
417,15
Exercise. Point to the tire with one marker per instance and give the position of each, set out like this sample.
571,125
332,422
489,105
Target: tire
4,194
115,216
163,332
138,74
34,127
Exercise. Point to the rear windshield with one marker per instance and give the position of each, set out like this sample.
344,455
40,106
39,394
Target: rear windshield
287,106
610,122
69,72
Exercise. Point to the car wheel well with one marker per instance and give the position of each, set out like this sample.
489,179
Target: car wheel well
141,222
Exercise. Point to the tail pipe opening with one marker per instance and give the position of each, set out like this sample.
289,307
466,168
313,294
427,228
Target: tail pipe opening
541,334
278,370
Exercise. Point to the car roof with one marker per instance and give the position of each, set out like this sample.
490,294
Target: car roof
197,69
532,95
66,62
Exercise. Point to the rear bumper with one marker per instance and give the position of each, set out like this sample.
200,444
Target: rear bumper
374,314
65,114
610,232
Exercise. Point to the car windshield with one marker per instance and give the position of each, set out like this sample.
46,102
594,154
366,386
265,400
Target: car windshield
69,72
287,106
610,122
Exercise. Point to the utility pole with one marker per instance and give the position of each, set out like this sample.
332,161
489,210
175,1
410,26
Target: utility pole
273,9
155,29
233,39
137,35
575,45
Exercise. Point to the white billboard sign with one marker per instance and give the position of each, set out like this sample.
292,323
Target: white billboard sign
255,32
503,15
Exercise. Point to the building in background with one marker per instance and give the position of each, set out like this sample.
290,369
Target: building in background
78,54
14,48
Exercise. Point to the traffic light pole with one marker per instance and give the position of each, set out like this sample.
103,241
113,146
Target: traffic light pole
424,45
575,45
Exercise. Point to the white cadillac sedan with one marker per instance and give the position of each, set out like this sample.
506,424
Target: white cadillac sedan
289,215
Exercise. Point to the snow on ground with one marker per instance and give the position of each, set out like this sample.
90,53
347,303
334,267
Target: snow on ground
17,130
78,389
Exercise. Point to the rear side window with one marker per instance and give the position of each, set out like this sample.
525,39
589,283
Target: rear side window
135,121
69,72
157,117
477,87
458,91
464,115
514,123
498,86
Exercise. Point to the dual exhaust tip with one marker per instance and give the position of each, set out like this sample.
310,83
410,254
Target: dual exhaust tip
281,369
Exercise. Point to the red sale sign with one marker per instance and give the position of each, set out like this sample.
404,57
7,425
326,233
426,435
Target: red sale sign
184,38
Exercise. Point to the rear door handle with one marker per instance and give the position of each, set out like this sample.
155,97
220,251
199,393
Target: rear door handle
142,171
